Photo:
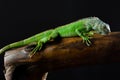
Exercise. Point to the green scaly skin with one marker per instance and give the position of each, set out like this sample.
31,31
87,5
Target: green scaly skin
84,28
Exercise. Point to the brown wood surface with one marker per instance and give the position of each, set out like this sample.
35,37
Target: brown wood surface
62,53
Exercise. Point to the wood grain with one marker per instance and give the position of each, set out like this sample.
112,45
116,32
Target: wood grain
62,53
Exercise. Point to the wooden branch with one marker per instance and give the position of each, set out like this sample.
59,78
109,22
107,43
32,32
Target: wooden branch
63,53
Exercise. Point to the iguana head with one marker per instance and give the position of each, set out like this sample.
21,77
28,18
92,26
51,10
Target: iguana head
100,27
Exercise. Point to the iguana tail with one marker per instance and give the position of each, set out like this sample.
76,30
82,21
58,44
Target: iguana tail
4,49
24,42
13,45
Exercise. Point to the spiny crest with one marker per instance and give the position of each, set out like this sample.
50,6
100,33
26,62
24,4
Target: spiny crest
92,18
96,20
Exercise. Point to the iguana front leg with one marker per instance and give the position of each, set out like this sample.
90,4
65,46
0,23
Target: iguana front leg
85,36
45,39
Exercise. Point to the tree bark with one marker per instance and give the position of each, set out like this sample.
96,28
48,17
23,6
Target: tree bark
59,54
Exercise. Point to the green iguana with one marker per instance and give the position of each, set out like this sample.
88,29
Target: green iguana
84,28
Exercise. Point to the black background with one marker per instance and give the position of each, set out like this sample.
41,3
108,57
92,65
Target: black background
20,19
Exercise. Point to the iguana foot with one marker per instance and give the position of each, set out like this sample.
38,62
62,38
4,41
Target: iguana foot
87,41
